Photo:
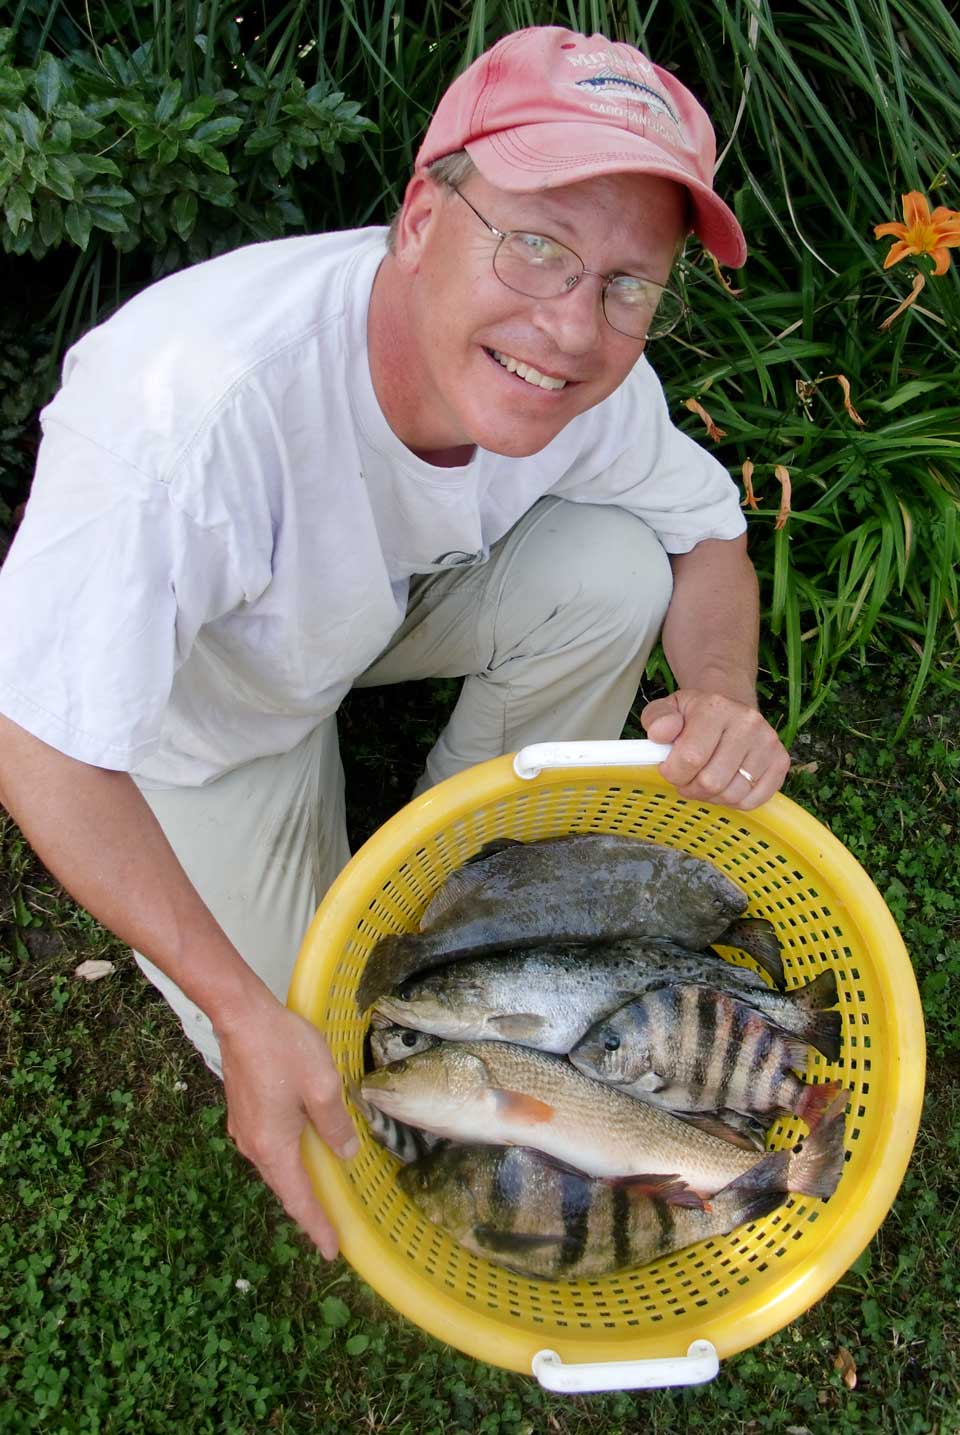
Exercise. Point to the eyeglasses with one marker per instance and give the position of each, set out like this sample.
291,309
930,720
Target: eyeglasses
543,268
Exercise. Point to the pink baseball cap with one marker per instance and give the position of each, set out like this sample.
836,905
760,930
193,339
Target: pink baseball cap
547,107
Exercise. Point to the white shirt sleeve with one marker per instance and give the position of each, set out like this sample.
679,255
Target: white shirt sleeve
101,596
662,475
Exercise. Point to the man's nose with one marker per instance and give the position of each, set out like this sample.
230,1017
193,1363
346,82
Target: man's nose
574,320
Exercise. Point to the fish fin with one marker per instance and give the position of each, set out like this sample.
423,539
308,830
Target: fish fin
672,1189
825,1032
522,1026
757,937
796,1051
497,844
715,1124
451,894
815,1102
522,1106
393,958
821,992
514,1242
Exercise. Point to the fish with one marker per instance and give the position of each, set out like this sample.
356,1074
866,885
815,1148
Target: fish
390,1043
494,1093
582,887
407,1143
549,997
687,1047
519,1209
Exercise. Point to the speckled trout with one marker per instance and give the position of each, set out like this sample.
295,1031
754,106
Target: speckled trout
492,1093
549,997
516,1207
583,887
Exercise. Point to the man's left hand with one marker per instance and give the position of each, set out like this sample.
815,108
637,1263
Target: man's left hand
724,751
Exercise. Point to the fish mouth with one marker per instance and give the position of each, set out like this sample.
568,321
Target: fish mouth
527,372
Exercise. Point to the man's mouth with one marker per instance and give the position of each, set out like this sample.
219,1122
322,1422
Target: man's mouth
526,372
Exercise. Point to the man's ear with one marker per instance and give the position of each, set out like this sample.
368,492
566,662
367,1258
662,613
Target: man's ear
418,215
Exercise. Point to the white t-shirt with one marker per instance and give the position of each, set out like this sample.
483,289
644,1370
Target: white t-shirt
223,525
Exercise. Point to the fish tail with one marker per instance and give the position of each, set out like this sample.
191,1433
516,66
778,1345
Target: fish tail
822,1028
757,937
815,1169
815,1102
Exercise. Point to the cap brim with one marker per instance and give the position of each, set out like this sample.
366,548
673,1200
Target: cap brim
545,156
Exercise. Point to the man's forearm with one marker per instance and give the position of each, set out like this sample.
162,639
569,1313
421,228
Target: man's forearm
96,834
711,630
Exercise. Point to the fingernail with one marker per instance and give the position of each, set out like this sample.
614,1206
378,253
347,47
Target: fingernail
349,1148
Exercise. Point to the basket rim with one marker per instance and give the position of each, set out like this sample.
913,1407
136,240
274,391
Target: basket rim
785,1296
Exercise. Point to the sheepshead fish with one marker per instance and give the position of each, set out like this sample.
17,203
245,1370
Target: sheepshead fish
583,887
516,1207
491,1093
686,1047
392,1043
549,997
407,1143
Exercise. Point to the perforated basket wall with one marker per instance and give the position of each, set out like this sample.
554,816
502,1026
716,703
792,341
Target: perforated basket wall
733,1290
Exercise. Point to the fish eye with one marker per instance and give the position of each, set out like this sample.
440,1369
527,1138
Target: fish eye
406,993
611,1042
409,1038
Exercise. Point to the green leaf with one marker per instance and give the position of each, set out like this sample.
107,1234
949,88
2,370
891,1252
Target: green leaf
195,112
909,391
213,131
334,1312
262,139
214,158
106,218
168,151
282,156
146,138
78,224
184,213
357,1344
168,102
60,179
28,125
17,208
48,82
50,221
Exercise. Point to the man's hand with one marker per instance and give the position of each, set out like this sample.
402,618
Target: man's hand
278,1074
716,741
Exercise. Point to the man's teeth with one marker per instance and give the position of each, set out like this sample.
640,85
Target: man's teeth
528,372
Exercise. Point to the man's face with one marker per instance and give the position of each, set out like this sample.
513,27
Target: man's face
462,316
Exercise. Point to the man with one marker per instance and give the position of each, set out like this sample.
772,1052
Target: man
317,462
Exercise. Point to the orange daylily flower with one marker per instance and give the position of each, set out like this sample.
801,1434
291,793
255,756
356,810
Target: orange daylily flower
783,474
712,429
750,499
922,232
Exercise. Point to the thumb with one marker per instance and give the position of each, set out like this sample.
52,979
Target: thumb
662,720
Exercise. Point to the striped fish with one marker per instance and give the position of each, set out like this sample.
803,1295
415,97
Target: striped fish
690,1048
407,1143
515,1207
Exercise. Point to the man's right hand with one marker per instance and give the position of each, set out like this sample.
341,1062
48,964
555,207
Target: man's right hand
278,1074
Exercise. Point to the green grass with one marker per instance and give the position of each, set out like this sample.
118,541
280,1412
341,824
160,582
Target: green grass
128,1216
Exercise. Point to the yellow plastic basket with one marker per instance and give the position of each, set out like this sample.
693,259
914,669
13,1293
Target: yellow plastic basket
731,1291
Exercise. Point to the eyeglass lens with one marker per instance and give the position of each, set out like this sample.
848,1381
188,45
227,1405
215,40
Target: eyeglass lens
544,268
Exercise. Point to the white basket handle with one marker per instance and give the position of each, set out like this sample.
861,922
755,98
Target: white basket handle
700,1364
625,752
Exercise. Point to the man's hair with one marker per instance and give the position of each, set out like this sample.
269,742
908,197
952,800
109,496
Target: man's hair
449,169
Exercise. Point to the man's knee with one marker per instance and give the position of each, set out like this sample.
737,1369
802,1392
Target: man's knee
587,568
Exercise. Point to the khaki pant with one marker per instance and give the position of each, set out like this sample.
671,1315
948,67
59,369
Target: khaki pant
551,635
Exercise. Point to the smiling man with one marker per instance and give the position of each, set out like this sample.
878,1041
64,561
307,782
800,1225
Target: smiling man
360,458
